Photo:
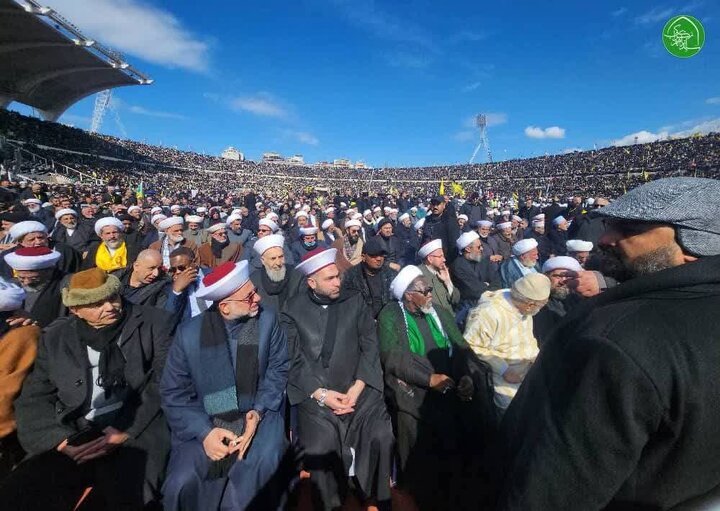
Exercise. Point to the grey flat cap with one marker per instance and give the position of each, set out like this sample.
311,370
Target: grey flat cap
691,204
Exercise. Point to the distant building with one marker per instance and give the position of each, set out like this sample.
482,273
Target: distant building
272,158
296,159
361,165
342,163
233,154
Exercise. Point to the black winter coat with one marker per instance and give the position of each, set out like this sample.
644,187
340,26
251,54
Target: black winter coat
621,409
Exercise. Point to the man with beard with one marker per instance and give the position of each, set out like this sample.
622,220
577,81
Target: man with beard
430,378
500,331
437,274
329,231
276,282
625,394
146,283
558,236
219,249
266,227
352,244
236,232
194,231
336,384
404,230
174,239
18,346
503,239
579,250
538,234
394,249
368,225
90,408
371,278
68,231
30,233
223,392
307,242
490,247
35,268
113,254
38,213
560,270
472,273
523,262
442,225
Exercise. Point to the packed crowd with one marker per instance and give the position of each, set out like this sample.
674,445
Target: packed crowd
269,348
607,172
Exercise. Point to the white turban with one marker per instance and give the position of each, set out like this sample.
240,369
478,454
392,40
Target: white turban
269,224
108,221
267,242
169,222
466,239
65,211
20,229
579,246
11,296
523,246
561,262
400,283
429,247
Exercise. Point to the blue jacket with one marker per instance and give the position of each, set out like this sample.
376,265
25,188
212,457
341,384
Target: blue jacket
186,379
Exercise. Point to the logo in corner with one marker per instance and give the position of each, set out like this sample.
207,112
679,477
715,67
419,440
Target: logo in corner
683,36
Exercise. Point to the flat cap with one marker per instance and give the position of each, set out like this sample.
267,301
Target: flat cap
690,204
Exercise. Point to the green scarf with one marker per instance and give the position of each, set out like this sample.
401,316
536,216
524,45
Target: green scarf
417,344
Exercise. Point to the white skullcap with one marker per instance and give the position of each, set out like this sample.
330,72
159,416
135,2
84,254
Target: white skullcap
108,221
484,223
273,216
387,209
156,210
413,209
403,216
517,218
169,222
32,258
465,217
561,262
540,216
65,211
466,239
300,213
429,247
524,246
230,219
20,229
400,283
194,219
216,227
419,224
33,201
326,224
267,242
538,222
11,296
330,209
133,208
236,211
223,281
558,220
504,225
316,260
356,216
269,224
175,206
367,212
352,223
307,231
578,246
157,217
306,208
506,212
201,209
343,205
377,208
590,201
533,286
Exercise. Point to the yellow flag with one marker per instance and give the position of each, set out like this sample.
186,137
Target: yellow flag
515,197
442,187
457,189
646,176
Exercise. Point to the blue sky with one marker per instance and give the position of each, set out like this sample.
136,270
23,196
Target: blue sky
397,83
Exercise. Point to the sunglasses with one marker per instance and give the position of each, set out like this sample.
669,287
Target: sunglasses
178,269
263,230
424,292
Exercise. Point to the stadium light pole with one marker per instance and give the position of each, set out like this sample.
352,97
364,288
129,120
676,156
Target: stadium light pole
481,125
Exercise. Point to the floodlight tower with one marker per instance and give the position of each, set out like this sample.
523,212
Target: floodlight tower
481,125
102,102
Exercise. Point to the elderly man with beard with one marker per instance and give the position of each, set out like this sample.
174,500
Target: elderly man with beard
561,270
621,409
430,381
68,231
352,245
489,244
579,250
558,236
90,408
276,282
29,234
436,272
36,270
146,283
174,239
236,231
219,249
223,392
504,240
336,384
195,231
537,232
523,262
112,254
266,227
472,273
18,346
500,331
38,213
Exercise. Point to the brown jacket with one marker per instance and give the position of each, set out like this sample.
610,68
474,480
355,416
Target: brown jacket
341,260
18,348
232,252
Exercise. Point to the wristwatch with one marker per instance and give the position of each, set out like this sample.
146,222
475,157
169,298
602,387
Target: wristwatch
323,396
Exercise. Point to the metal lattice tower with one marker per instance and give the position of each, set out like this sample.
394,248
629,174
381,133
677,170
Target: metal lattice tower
102,102
481,125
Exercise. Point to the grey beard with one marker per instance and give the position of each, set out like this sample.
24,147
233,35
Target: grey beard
527,264
560,293
114,244
652,262
475,257
70,226
427,309
176,239
276,275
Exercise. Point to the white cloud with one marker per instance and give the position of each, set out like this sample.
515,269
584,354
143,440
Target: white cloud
644,136
464,136
551,132
492,119
654,15
155,113
619,12
261,104
146,32
713,101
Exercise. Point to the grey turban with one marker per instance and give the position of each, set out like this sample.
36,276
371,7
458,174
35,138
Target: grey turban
690,204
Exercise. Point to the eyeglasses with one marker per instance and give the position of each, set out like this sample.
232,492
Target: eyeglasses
424,292
250,298
263,230
178,269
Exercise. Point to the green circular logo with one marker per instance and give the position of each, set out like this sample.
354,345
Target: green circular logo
683,36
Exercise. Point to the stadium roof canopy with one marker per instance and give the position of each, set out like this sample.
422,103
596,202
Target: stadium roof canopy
46,62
